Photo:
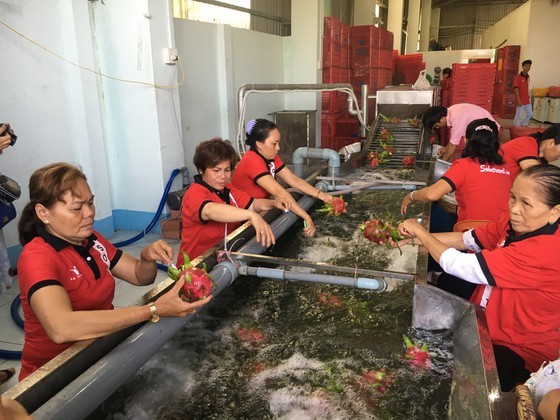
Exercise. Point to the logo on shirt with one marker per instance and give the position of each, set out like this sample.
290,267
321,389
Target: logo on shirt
98,246
487,168
74,274
272,168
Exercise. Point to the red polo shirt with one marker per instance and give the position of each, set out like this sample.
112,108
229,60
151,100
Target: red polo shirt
523,308
251,168
198,235
521,82
517,150
84,273
481,191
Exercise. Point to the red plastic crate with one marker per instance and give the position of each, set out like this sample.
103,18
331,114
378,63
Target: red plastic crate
386,59
516,131
554,91
385,39
344,56
331,54
328,124
509,52
363,57
364,36
346,126
331,29
331,74
345,35
507,65
333,102
345,75
384,78
327,142
361,76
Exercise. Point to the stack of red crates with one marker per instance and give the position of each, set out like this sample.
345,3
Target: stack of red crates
410,66
504,103
474,84
336,49
371,60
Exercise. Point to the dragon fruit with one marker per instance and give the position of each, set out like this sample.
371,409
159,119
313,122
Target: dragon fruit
380,231
408,161
416,354
250,336
329,299
198,284
380,380
335,208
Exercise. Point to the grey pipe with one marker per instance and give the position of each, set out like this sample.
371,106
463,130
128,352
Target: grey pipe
343,189
302,153
79,398
377,285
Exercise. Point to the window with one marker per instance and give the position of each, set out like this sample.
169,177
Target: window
269,16
204,12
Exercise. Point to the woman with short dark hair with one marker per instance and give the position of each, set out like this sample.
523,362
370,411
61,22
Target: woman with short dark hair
212,208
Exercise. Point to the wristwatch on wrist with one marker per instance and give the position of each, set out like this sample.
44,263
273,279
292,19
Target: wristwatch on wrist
154,313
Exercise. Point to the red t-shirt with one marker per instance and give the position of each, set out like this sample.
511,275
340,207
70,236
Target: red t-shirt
523,307
251,168
198,235
481,191
84,273
522,83
517,150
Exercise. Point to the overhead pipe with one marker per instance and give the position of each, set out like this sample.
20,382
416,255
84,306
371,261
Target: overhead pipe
80,397
302,153
377,285
249,88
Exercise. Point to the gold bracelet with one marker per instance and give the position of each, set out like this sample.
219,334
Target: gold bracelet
318,194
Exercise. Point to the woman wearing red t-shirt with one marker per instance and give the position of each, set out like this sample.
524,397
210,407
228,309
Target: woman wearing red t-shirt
480,178
259,167
212,208
66,269
516,267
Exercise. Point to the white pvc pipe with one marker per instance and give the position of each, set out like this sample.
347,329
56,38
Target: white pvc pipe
302,153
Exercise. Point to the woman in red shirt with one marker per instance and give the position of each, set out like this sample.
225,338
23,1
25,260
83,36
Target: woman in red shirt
66,269
479,179
256,173
514,262
212,208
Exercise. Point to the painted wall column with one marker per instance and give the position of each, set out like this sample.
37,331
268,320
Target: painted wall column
413,26
426,14
394,22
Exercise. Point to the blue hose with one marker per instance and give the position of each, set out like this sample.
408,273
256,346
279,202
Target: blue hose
156,216
14,309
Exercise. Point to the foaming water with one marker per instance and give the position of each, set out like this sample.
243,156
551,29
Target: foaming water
285,350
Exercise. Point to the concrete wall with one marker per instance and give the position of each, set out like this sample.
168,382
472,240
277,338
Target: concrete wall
534,27
513,29
217,60
124,135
